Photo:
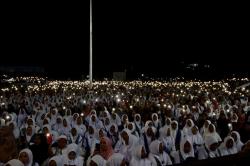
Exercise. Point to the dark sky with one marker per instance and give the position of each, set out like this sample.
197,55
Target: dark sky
137,36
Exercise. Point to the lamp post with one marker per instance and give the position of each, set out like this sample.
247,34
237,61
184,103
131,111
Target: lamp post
90,46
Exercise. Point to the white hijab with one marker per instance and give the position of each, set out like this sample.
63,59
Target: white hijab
213,134
117,120
137,160
208,142
15,162
138,123
155,122
127,150
224,150
204,130
172,131
155,152
189,154
99,160
78,161
187,130
115,160
197,138
30,155
57,159
238,143
28,137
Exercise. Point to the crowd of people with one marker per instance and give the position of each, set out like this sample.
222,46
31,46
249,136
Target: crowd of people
70,123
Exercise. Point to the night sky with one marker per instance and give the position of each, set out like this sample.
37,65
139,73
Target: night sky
145,37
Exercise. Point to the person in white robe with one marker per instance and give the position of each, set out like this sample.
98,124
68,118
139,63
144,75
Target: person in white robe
26,157
65,130
138,123
187,129
228,147
237,140
14,162
96,160
168,141
204,129
186,151
80,126
131,127
157,156
72,156
58,125
210,150
212,132
197,139
126,144
117,159
140,158
55,160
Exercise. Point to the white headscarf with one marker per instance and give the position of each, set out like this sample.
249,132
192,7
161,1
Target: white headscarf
172,131
137,160
208,142
115,160
223,148
127,150
155,152
58,126
189,154
57,159
28,137
99,160
97,123
213,134
204,130
238,143
155,122
117,120
78,161
30,155
138,123
65,130
15,162
187,131
154,147
197,138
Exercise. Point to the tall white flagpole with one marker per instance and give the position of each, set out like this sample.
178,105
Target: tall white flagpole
90,47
